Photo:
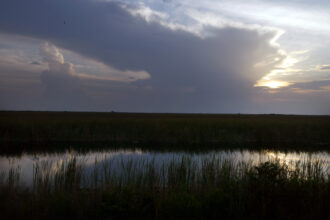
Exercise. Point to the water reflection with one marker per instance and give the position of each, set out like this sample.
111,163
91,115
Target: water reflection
117,158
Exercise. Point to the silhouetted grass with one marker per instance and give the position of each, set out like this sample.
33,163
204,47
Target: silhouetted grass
178,189
45,131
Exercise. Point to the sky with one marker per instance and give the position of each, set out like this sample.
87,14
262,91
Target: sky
185,56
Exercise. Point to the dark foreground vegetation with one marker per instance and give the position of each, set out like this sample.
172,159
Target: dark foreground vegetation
45,131
181,189
213,188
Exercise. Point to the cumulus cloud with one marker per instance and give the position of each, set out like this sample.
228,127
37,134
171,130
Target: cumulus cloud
51,54
58,69
62,86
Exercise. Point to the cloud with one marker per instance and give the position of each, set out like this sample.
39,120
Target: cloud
35,63
57,68
51,54
111,34
65,88
325,67
62,83
314,85
212,71
298,98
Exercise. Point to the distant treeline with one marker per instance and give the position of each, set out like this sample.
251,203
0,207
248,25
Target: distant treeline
25,131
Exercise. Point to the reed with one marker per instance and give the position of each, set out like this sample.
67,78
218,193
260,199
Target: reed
179,188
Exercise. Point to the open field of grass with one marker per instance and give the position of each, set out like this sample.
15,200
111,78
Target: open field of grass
181,189
30,131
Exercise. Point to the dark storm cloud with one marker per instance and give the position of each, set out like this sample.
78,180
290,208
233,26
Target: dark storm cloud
35,63
219,71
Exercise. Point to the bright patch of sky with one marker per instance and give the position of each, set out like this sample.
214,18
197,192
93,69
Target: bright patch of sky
303,29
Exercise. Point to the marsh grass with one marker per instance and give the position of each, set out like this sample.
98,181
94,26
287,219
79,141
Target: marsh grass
183,187
45,131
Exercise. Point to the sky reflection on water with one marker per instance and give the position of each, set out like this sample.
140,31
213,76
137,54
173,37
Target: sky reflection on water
26,162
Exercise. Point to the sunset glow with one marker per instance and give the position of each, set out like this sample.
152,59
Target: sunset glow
272,84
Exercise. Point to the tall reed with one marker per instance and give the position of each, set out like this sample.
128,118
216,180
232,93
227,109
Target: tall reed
183,187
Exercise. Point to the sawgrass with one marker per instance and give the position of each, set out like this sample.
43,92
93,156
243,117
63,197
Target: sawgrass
179,188
46,131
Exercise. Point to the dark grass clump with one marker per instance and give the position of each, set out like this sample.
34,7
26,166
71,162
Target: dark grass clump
213,188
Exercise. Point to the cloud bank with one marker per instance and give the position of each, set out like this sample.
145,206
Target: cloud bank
169,67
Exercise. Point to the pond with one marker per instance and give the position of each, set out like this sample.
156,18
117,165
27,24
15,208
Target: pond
137,160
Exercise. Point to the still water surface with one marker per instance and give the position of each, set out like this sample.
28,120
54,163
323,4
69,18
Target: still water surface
26,162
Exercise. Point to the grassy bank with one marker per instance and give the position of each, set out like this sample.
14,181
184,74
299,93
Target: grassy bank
180,189
31,131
